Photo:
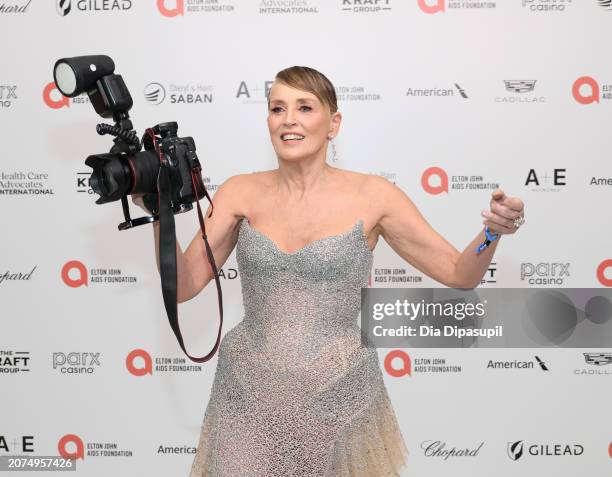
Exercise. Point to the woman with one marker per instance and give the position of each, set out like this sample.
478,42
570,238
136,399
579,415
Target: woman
295,392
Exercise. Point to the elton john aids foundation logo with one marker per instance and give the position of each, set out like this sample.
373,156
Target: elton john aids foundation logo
391,364
434,180
94,448
586,90
74,274
74,441
171,11
174,8
139,363
432,6
53,98
604,266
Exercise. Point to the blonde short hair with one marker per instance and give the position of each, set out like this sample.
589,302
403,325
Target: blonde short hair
312,81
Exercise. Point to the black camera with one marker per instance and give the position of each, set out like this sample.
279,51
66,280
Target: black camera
127,170
167,171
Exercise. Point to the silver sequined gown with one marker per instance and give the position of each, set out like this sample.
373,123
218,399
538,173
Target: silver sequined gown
295,392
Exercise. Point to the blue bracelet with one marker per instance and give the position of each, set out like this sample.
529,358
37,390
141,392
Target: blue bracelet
490,238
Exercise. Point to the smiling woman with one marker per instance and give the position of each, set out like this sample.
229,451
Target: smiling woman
296,392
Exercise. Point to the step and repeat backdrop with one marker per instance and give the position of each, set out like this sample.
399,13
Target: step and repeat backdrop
447,99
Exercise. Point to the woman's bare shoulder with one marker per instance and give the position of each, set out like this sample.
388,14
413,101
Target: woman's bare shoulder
240,189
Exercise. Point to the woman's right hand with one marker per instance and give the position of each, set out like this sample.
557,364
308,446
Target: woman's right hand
137,200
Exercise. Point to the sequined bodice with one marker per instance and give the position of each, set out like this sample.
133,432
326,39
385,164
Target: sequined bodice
319,283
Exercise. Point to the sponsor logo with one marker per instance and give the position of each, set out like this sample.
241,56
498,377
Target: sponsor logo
355,93
587,90
435,180
75,274
275,7
601,273
25,183
21,445
438,449
254,93
13,362
448,92
605,4
523,91
155,93
8,94
598,359
598,364
398,364
65,7
16,276
15,7
190,93
545,182
546,6
600,181
515,364
82,182
366,6
139,362
175,449
440,183
56,100
489,277
545,273
519,449
72,446
395,276
75,362
432,7
174,8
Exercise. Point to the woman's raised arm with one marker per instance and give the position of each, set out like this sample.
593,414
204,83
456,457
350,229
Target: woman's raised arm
408,233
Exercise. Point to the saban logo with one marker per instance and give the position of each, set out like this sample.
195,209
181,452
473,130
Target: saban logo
606,4
154,93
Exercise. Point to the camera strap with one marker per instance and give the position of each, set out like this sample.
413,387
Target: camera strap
167,242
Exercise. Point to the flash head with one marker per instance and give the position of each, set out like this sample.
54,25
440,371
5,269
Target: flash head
79,74
94,75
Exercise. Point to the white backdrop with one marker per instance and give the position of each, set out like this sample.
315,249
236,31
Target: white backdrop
486,91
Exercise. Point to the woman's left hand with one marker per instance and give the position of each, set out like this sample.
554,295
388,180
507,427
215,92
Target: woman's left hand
504,211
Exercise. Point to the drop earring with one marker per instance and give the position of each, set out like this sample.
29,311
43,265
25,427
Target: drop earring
334,152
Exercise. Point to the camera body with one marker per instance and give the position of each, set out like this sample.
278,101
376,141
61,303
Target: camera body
167,172
127,170
117,174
